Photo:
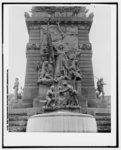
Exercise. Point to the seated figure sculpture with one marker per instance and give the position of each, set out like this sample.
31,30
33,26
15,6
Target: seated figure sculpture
46,74
74,71
50,97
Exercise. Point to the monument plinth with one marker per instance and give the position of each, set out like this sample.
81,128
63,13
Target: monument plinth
62,122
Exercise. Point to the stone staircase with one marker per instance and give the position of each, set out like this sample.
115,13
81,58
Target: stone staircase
103,122
17,118
103,118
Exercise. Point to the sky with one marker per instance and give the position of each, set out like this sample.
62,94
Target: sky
100,37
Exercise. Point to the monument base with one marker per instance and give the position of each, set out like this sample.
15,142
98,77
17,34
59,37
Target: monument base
61,121
63,108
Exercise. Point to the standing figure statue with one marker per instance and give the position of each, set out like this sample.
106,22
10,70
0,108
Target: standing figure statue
60,62
100,89
16,87
21,92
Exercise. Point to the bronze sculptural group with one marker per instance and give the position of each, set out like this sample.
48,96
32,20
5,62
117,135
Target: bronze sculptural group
56,63
57,66
64,95
60,66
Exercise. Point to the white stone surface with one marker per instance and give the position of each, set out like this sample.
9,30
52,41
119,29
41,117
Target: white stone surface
62,122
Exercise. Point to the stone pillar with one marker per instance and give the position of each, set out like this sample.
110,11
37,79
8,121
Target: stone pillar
33,57
88,88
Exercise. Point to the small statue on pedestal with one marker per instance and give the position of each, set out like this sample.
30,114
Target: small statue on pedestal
15,87
100,89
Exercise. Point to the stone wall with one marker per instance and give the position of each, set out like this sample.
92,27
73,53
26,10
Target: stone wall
33,57
88,89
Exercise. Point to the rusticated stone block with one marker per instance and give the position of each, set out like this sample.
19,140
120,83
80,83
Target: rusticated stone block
34,34
31,51
33,58
33,54
34,40
31,80
82,31
34,31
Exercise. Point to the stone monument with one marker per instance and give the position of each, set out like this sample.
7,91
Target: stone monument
59,83
59,49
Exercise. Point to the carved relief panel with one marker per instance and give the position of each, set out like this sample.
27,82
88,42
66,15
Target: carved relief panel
62,35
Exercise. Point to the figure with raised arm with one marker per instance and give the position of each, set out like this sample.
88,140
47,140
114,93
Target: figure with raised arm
100,89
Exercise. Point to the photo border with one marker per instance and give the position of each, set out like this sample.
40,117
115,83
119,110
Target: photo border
117,93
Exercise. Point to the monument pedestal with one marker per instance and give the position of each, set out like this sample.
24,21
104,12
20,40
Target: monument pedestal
62,121
63,108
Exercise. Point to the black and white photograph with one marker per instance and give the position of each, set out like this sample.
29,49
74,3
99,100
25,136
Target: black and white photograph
60,74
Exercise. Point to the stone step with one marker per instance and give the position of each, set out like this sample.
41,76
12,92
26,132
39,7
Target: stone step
17,123
104,128
18,114
18,118
103,114
100,118
21,112
17,128
21,105
103,123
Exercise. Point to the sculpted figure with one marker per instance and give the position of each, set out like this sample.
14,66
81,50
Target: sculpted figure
15,87
91,15
21,91
50,97
26,14
46,67
60,63
62,99
74,71
70,94
100,85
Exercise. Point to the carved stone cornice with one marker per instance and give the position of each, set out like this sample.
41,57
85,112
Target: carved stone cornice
61,19
34,23
53,9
